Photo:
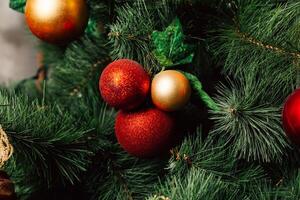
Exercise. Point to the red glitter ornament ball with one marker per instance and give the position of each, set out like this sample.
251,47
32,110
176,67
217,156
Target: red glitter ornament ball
124,84
145,133
291,117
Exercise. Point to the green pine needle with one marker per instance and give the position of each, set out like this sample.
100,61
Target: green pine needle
44,138
249,124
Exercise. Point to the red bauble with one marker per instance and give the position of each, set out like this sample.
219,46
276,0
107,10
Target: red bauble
291,117
145,133
124,84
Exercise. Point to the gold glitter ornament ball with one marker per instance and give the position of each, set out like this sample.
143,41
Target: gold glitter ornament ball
57,21
170,90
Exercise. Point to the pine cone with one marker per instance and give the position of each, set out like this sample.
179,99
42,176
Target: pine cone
7,189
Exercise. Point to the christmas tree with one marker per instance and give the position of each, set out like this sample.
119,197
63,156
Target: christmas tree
156,100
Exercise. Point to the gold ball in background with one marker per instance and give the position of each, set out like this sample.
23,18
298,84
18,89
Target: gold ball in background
170,90
57,21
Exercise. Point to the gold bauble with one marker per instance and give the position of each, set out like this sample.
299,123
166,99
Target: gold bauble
170,90
57,21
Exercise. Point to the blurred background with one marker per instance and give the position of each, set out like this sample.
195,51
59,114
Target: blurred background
17,46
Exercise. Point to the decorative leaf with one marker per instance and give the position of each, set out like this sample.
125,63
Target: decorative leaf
197,87
92,28
170,48
18,5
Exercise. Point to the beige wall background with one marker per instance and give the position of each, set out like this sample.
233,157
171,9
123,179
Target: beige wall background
17,46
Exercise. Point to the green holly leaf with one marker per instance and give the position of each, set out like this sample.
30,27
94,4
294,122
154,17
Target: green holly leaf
169,45
18,5
92,28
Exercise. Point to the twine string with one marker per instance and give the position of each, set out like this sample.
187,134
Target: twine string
6,149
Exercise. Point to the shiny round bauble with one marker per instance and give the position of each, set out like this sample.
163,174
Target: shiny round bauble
145,133
57,21
124,84
170,90
291,117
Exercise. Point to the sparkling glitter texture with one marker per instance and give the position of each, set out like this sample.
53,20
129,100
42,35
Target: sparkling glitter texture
124,84
170,90
57,21
291,117
145,133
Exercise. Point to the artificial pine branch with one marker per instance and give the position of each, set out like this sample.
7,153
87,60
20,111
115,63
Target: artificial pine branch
272,47
81,63
214,159
130,35
116,175
99,118
195,185
262,64
45,139
251,125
